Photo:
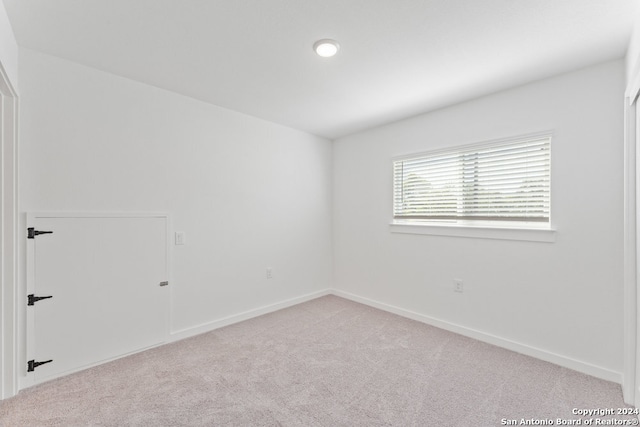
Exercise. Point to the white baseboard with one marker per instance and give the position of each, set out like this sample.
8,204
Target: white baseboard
246,315
560,360
567,362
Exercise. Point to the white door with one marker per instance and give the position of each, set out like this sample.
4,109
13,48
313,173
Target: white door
104,276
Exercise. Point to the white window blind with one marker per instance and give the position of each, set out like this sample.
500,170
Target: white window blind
506,181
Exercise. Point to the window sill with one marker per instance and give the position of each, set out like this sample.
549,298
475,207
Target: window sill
545,235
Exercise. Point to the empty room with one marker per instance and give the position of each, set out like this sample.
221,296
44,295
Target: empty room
319,212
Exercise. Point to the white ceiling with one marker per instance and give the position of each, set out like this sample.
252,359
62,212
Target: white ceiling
398,57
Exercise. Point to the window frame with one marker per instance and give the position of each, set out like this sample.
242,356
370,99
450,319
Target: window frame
535,231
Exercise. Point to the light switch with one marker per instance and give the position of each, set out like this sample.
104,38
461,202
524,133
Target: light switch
181,238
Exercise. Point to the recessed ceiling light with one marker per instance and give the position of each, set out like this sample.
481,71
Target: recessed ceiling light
326,47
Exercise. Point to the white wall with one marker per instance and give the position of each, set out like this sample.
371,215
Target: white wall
562,299
249,194
8,49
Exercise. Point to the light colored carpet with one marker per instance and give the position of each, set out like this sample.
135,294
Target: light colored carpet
327,362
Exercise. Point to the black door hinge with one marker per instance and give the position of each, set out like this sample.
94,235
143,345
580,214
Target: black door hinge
32,232
32,299
32,364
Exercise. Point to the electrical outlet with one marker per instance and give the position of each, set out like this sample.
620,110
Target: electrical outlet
458,285
269,273
181,238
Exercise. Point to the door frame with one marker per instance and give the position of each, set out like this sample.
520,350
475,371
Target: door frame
8,236
630,255
631,373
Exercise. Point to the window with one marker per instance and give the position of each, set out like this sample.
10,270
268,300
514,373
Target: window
506,183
